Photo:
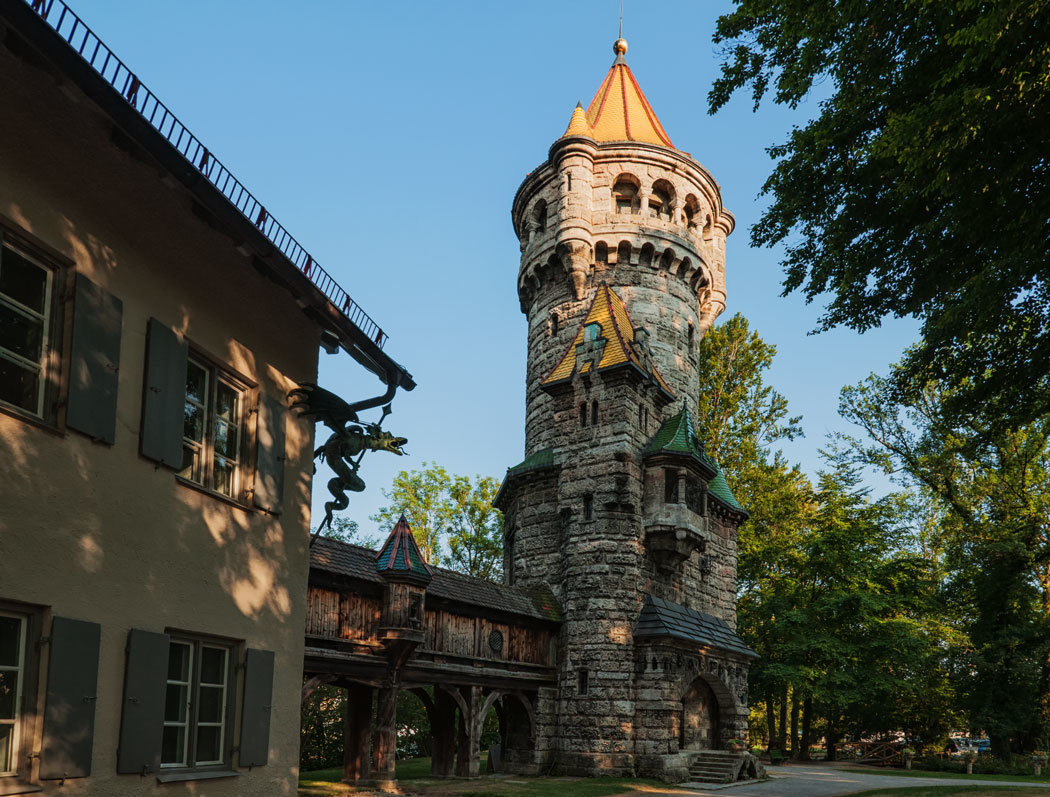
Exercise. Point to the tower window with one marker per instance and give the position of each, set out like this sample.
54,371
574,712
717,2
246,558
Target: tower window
568,180
582,681
670,486
661,200
594,413
588,507
692,334
625,194
583,414
552,324
539,215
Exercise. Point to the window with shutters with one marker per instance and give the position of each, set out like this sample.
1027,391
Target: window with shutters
197,704
27,288
12,679
214,434
19,636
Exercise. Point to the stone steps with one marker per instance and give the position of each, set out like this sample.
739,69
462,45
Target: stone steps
714,766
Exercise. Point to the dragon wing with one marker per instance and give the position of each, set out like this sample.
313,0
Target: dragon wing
316,403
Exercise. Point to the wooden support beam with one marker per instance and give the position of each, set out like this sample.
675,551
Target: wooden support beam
385,745
468,753
357,734
443,734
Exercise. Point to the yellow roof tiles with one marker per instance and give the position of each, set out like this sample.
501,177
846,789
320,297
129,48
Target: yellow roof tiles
608,329
619,111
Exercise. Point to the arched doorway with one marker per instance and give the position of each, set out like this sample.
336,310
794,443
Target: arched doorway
698,724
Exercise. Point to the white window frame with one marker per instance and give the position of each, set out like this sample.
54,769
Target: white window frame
192,724
205,450
20,669
43,317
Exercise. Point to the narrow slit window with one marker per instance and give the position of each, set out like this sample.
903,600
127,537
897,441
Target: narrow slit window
583,414
588,507
582,681
594,413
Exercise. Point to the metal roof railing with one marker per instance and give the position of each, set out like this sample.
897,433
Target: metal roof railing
100,58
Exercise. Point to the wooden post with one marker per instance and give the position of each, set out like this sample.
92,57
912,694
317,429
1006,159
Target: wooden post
357,737
468,754
385,746
443,734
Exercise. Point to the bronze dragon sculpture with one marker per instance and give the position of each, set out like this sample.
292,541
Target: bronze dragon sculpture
350,438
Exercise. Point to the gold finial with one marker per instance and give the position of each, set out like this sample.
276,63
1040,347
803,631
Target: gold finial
620,46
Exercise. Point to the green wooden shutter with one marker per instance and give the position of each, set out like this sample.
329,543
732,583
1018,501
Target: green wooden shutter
95,361
142,717
255,711
165,396
270,455
69,710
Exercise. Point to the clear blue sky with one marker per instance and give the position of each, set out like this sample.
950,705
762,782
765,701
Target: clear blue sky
389,138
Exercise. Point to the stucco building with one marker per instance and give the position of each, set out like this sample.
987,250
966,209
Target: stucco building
616,506
155,495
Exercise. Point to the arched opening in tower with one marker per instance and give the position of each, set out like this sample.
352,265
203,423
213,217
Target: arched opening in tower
698,723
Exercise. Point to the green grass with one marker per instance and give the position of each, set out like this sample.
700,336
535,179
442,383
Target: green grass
947,791
925,773
326,783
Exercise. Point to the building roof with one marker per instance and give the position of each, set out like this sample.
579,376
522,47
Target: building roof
660,617
400,554
618,333
619,110
677,435
353,561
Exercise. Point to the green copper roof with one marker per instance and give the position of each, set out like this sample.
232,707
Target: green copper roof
719,488
400,554
677,435
544,458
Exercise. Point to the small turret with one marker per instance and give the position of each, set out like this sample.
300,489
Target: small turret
407,575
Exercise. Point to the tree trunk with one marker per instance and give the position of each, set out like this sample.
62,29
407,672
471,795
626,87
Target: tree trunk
807,727
831,737
794,724
781,742
771,721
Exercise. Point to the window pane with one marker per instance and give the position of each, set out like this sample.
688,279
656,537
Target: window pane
23,281
179,662
223,443
193,422
8,694
10,632
7,738
175,703
210,708
21,334
18,385
208,743
213,666
226,403
192,464
173,744
196,383
223,476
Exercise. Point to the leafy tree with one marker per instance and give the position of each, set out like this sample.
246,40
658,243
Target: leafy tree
422,497
921,188
448,509
991,492
321,729
475,538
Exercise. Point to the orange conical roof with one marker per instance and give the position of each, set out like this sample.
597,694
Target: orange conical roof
619,111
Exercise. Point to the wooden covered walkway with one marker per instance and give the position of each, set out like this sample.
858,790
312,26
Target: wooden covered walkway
380,623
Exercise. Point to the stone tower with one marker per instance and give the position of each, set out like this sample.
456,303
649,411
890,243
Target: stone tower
616,506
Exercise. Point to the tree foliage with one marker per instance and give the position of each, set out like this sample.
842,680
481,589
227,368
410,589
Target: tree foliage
922,186
449,510
990,491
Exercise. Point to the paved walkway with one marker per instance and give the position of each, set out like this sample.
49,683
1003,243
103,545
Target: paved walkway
830,781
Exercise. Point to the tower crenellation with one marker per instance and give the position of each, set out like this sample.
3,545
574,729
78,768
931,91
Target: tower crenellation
616,506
